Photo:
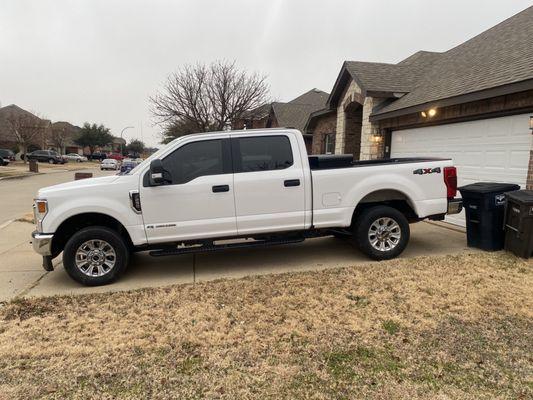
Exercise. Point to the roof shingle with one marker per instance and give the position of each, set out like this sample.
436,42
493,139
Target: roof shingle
499,56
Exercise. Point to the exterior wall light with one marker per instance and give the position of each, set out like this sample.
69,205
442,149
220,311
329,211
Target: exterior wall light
429,113
377,137
531,123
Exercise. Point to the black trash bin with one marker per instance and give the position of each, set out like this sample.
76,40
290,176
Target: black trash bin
519,223
484,208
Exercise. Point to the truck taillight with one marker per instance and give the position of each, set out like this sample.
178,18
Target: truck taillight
450,179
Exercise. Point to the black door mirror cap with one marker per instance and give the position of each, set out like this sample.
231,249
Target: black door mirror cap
157,173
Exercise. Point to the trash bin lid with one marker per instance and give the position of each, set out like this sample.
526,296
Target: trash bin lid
488,187
522,196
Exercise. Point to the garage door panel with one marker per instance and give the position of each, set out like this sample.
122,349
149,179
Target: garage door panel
494,150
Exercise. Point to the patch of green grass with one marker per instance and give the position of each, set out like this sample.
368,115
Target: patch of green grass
189,365
358,300
391,327
362,362
22,309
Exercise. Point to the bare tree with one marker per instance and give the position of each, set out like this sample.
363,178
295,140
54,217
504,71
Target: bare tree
26,129
208,97
59,137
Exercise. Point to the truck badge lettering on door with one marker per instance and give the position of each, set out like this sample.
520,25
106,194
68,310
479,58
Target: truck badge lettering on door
424,171
160,226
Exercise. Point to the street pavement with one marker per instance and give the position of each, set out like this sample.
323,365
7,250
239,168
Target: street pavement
21,273
16,195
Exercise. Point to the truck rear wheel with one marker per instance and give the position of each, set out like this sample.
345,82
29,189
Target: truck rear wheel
381,232
95,256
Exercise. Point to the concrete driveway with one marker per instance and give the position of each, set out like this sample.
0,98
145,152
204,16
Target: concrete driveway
21,273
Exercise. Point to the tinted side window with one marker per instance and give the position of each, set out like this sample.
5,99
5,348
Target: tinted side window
195,159
264,153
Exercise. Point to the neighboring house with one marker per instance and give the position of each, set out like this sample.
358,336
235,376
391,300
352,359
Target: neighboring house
63,136
472,103
35,133
116,146
293,114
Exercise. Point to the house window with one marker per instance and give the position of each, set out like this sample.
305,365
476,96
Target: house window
329,143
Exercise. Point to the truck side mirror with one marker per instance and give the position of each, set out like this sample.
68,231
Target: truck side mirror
157,173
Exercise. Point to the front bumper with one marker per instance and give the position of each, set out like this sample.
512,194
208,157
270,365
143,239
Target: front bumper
455,206
42,243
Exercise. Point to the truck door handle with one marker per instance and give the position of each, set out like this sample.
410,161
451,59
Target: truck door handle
220,188
291,182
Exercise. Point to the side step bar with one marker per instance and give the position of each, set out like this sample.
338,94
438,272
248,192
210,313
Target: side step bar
216,247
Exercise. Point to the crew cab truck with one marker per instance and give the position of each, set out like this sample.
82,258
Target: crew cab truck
256,187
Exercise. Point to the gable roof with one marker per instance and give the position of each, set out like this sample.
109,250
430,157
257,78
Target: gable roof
313,96
495,62
9,112
383,77
258,113
502,55
295,113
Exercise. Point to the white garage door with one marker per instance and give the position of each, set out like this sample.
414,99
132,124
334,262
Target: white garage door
491,150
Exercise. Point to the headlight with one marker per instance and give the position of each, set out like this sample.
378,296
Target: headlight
40,209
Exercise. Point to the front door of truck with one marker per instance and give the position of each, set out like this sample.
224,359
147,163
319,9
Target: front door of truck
197,202
269,183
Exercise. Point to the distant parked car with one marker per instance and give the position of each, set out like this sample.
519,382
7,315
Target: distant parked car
4,161
127,165
49,156
75,157
7,154
97,156
109,163
116,156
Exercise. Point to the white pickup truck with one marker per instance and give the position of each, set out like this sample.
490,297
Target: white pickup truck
256,187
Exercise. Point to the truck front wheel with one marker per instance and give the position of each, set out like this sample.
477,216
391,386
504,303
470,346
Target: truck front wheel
381,232
95,256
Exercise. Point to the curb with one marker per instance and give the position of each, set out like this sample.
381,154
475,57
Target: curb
22,176
6,178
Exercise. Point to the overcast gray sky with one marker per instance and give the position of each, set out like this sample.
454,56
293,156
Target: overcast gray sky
100,60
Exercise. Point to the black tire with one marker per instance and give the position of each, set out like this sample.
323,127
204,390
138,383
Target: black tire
51,161
364,222
99,233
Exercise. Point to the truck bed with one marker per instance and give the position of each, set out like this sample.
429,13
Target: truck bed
334,161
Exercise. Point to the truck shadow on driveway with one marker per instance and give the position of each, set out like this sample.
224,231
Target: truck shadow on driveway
314,254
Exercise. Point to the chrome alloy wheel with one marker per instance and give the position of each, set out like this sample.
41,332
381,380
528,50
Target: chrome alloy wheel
95,257
384,234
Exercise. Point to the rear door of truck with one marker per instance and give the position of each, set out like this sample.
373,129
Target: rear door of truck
269,184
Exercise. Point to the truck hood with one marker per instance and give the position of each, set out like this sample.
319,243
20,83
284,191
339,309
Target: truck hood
82,184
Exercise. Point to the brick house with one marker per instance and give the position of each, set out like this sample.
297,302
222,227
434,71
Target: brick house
293,114
63,138
472,103
13,115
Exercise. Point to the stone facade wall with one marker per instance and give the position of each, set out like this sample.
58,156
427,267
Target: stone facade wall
351,93
324,124
367,145
372,143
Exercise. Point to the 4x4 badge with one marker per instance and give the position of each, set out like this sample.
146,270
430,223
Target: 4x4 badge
424,171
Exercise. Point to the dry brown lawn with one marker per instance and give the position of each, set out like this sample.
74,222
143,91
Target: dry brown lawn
451,327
